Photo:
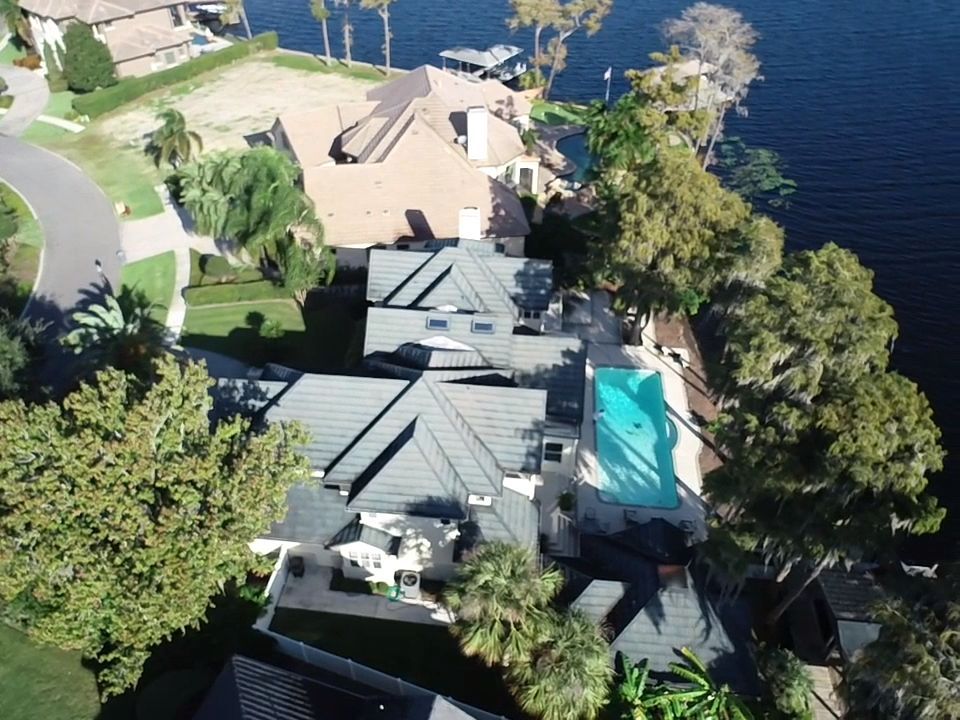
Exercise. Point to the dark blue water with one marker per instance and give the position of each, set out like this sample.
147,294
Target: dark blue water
862,100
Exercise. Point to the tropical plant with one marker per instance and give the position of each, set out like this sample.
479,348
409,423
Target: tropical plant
125,511
172,142
788,685
633,696
9,224
383,10
499,596
304,267
237,12
719,37
13,18
117,332
912,670
250,198
87,63
567,673
320,12
347,31
700,696
571,17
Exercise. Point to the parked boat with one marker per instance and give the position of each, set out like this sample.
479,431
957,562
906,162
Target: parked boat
499,62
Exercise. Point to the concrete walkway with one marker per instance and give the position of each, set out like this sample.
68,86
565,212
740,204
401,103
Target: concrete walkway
30,96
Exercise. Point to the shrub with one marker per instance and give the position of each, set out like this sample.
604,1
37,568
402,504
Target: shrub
87,64
225,293
271,329
55,77
217,266
29,62
788,684
128,89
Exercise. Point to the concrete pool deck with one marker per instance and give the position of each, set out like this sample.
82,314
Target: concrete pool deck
593,514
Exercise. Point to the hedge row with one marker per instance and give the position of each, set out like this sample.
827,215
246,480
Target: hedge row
223,293
104,100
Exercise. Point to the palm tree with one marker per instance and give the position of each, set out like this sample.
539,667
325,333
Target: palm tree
701,698
118,332
172,142
383,10
567,673
347,31
321,15
499,597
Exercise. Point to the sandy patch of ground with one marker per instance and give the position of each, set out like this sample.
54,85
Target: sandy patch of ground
243,99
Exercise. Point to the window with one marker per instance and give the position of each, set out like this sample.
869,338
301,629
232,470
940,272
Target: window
354,559
175,16
482,326
376,562
170,57
553,452
530,314
438,324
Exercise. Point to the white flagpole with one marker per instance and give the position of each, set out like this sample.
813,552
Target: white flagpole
608,76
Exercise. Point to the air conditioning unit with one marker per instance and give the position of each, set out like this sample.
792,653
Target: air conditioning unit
410,585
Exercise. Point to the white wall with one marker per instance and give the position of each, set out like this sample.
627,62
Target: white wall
426,544
568,462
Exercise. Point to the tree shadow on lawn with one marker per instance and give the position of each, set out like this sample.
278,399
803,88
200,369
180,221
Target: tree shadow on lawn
332,338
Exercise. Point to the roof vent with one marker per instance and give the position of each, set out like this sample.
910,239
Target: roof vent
477,133
470,224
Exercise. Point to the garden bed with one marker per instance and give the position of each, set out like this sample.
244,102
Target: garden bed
23,254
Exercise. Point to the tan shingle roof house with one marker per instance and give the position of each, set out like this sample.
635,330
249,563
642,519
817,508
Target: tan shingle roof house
404,163
142,35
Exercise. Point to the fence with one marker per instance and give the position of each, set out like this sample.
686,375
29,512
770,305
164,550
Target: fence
345,667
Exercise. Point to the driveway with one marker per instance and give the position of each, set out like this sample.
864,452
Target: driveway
79,229
30,98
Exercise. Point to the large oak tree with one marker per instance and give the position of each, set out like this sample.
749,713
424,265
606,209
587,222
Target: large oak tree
122,511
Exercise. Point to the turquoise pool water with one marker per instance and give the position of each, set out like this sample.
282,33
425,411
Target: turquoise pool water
575,148
634,438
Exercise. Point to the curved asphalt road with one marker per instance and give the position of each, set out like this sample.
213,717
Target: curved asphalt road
79,228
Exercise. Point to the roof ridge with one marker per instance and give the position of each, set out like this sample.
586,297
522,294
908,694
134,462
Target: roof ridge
423,433
498,286
471,439
409,278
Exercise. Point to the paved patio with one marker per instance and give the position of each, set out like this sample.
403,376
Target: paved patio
312,592
597,515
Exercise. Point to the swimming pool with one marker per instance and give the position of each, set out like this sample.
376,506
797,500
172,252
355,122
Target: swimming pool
634,438
574,147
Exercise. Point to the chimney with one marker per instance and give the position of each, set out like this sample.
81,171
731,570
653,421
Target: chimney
477,133
470,224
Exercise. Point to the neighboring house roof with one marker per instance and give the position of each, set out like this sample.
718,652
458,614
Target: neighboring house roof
657,540
248,689
92,11
555,363
653,610
315,515
127,43
411,175
356,532
850,595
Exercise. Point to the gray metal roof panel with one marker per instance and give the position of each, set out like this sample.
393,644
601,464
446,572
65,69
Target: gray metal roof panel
511,518
355,531
850,595
243,397
599,598
314,515
335,409
389,268
555,363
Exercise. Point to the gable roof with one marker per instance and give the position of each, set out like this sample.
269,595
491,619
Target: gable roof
481,282
92,11
654,610
357,532
850,595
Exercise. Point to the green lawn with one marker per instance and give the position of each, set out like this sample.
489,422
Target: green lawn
23,256
322,338
41,133
312,64
124,173
550,113
43,682
60,104
154,277
10,53
426,655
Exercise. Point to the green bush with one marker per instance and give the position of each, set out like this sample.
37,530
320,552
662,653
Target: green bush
224,293
789,688
87,64
217,266
55,77
103,101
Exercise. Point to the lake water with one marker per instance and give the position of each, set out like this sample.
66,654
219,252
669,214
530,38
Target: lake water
861,99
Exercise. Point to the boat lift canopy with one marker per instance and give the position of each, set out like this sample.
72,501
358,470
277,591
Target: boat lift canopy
491,62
